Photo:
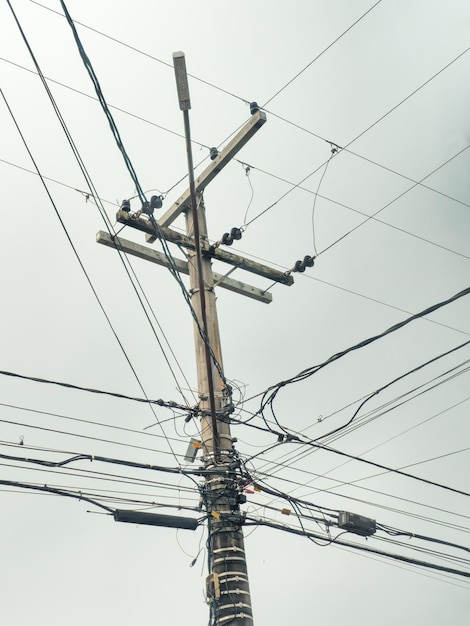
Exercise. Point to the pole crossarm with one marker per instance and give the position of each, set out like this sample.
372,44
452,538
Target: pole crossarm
221,160
149,254
123,217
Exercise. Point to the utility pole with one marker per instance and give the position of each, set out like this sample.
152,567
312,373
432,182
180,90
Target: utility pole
227,586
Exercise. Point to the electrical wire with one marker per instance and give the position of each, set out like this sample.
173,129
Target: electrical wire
394,200
245,100
113,394
294,185
272,175
333,152
90,185
58,492
375,504
294,439
271,393
289,458
114,129
414,92
359,156
333,514
299,186
321,54
389,384
364,548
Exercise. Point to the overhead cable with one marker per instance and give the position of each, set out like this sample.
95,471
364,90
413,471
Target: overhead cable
163,403
271,392
398,557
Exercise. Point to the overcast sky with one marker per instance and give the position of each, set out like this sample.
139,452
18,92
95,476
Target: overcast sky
367,107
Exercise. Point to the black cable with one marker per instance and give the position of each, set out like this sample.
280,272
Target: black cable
113,461
378,465
389,384
297,440
270,394
114,129
105,477
59,492
90,185
364,548
302,455
270,174
395,532
79,420
167,404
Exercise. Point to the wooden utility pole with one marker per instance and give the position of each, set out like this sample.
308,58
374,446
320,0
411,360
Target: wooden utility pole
227,586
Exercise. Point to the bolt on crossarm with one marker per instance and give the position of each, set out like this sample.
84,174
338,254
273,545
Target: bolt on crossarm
228,592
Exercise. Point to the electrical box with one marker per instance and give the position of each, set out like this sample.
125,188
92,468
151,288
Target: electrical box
193,447
357,524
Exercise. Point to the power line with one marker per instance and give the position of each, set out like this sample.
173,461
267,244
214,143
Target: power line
389,384
203,145
375,504
379,412
397,198
294,185
57,182
90,185
139,51
398,557
364,132
321,54
242,99
391,306
270,394
359,156
114,394
90,437
117,137
58,492
144,432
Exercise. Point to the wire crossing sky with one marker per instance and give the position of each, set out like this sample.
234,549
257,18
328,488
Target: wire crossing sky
363,163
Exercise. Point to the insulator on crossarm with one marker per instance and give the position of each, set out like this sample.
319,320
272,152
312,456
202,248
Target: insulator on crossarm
300,266
156,202
228,238
125,206
236,233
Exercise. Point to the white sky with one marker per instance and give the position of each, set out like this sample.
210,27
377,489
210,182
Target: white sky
64,565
